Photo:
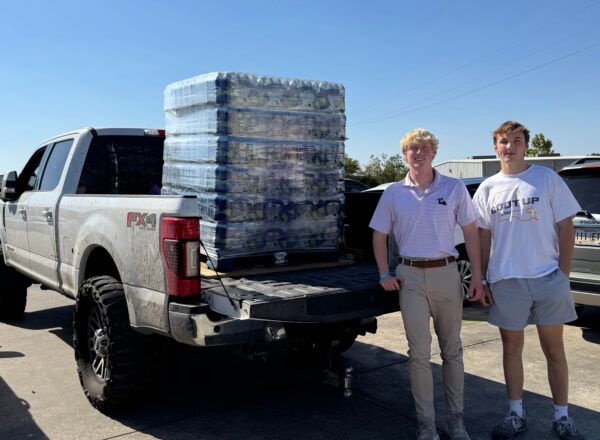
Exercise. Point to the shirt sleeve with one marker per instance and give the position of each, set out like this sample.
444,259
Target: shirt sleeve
563,202
483,216
382,220
466,209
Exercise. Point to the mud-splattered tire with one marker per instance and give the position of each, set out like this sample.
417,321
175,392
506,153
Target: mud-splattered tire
109,354
13,293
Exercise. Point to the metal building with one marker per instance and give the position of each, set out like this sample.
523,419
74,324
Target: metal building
486,166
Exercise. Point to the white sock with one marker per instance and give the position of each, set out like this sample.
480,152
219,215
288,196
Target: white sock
560,411
516,406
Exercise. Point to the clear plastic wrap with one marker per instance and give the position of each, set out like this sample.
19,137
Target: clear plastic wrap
255,91
289,126
268,181
234,208
230,240
264,157
253,152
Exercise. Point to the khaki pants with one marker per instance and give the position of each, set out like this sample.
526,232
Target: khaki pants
433,293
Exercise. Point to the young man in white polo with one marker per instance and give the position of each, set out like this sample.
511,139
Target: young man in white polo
422,211
526,220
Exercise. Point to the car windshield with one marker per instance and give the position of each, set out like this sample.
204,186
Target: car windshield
585,187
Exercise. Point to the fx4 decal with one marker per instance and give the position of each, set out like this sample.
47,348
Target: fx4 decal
141,220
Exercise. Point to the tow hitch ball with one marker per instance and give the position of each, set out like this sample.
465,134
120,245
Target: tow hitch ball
340,378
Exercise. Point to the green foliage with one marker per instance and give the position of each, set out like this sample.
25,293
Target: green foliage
351,167
385,169
540,145
379,170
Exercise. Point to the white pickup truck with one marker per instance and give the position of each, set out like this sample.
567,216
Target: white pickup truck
85,218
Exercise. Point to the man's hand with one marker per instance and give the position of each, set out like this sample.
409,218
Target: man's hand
390,283
475,290
487,299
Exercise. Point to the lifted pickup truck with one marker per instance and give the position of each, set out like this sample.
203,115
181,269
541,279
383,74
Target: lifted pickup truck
84,219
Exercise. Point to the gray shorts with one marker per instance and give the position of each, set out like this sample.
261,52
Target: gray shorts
542,301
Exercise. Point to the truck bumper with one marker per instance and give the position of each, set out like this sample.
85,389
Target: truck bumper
586,292
193,325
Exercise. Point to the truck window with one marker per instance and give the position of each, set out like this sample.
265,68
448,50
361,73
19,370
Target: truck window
29,176
129,165
55,165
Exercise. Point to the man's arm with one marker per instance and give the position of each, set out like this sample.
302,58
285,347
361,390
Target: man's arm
485,243
380,249
473,250
566,244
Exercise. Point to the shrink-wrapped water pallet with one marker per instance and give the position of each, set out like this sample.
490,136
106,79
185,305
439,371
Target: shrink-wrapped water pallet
264,157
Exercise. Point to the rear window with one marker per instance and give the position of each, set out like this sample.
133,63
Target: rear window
128,165
584,183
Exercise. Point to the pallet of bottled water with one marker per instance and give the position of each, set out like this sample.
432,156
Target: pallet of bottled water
263,155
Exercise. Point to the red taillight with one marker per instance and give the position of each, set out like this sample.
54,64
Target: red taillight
180,248
154,132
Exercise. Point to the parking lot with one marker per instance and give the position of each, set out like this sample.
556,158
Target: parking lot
213,395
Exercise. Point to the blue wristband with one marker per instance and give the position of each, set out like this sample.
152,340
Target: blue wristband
384,275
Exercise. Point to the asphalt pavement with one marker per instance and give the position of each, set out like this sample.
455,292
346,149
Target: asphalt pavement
215,395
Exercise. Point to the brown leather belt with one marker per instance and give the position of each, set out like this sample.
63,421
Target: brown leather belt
427,264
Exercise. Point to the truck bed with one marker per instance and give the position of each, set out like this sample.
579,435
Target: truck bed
323,294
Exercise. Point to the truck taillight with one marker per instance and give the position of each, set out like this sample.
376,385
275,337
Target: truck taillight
154,132
180,248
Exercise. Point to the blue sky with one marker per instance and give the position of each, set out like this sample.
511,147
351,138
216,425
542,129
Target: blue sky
456,67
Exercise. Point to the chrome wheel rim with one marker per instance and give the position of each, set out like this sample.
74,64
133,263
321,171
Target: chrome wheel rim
464,270
98,344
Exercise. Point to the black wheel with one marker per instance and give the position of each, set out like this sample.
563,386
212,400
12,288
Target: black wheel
464,270
13,293
579,310
109,354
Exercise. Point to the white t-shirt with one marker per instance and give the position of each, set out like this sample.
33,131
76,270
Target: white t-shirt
522,210
423,222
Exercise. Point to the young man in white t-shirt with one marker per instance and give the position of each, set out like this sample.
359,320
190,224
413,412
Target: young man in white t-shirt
422,211
526,221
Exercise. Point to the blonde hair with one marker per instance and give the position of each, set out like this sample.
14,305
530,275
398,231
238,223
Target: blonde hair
417,136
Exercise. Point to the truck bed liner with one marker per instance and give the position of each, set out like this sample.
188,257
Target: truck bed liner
314,295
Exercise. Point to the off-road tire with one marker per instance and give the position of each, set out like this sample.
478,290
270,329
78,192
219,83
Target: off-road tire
13,293
109,354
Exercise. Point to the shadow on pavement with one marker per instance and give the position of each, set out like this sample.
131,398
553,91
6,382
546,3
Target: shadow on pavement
215,395
58,320
15,419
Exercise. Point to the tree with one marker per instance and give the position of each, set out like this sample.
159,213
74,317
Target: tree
351,167
540,146
383,169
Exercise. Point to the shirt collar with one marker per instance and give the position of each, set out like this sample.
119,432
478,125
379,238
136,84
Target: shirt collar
407,181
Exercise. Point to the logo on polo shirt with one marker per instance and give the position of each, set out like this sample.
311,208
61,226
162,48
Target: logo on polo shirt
441,201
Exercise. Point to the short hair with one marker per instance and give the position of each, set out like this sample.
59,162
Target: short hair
417,136
511,127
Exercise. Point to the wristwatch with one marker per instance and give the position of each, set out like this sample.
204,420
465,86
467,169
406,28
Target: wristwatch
484,281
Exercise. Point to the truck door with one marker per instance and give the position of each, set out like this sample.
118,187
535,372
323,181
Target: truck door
42,214
17,244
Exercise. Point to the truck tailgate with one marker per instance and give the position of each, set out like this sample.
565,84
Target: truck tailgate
327,294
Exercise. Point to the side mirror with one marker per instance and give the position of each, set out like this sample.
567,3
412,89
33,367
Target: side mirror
8,192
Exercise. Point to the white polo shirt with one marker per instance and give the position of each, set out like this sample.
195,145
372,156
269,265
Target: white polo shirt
423,222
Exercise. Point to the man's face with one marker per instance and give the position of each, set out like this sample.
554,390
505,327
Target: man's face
511,147
419,155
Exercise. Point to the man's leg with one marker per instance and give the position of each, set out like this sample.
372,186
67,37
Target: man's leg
551,340
512,361
416,317
446,302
